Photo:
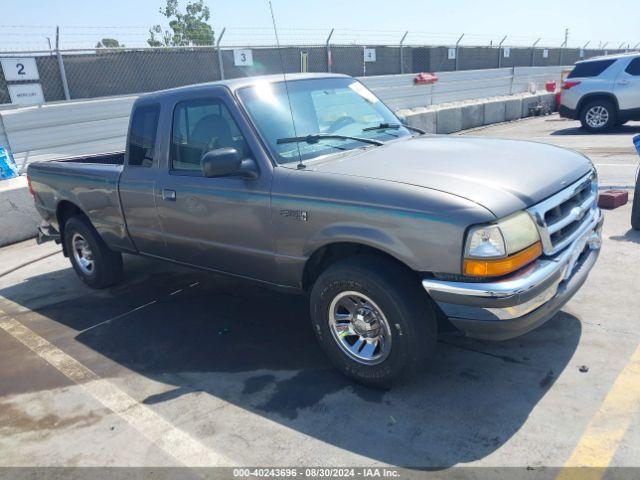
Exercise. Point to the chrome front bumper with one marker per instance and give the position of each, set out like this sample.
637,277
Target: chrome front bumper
512,306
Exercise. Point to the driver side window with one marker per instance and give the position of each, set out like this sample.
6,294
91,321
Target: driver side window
200,126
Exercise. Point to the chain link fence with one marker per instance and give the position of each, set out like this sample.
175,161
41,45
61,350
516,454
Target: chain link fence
80,73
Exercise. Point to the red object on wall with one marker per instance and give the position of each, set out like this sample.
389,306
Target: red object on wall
550,86
613,199
425,79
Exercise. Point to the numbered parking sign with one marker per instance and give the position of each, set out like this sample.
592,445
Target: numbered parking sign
451,54
19,68
242,57
369,54
545,53
506,52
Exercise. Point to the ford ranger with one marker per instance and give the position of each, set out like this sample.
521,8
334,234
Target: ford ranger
314,185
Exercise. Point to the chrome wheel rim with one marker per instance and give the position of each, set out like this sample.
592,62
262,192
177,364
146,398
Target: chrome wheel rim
597,117
360,328
82,254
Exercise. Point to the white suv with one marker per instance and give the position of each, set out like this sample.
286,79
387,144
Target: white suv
603,92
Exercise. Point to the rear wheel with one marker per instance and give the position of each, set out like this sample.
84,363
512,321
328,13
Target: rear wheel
372,320
598,115
96,264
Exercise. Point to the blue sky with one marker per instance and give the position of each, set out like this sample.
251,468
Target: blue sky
383,21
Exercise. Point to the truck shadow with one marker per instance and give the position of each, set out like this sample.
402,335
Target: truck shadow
253,347
634,128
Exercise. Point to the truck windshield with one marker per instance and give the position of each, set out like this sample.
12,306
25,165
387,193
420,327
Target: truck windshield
319,108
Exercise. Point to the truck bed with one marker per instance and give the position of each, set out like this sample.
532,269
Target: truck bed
90,183
113,158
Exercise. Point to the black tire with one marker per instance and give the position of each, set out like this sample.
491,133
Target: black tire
407,309
635,209
605,106
106,267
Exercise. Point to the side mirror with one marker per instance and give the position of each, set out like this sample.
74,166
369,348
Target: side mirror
221,162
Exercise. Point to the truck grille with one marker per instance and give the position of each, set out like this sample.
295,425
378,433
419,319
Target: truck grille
560,219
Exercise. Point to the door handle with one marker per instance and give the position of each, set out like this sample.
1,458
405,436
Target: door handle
624,82
168,195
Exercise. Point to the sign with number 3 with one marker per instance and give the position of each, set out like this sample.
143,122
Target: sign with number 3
19,68
242,57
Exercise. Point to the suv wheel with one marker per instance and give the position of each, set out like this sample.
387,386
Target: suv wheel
96,264
635,209
598,115
372,320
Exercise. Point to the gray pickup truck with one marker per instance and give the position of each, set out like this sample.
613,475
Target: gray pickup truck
314,185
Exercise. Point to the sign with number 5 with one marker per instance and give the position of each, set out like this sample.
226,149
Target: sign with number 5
19,68
242,57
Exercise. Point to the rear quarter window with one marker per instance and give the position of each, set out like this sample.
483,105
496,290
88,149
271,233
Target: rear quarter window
634,67
142,137
590,69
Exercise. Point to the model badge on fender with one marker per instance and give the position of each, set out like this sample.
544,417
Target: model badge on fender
296,214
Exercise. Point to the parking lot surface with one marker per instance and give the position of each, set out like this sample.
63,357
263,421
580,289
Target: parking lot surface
613,152
180,367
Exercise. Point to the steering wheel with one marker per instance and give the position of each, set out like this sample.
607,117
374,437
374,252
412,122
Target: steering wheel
340,123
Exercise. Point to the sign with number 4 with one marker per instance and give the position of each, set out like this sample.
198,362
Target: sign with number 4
19,68
242,57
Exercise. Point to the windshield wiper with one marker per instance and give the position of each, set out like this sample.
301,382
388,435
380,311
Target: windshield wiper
393,126
316,137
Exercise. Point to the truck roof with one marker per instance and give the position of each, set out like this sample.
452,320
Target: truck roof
236,83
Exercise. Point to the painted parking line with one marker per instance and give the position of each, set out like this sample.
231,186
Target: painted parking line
597,446
174,442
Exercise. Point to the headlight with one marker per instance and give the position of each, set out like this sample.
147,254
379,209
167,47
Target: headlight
503,247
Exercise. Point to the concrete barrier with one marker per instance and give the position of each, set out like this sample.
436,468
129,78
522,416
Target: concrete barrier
494,111
448,119
472,115
18,217
512,109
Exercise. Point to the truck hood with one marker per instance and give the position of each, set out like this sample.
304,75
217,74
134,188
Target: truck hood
501,175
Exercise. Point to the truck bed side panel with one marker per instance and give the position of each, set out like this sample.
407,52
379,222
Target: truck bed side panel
92,187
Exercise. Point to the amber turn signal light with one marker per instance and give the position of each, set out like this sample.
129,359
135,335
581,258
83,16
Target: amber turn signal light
475,267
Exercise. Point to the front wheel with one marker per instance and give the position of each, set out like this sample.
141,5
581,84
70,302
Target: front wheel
96,264
598,116
372,320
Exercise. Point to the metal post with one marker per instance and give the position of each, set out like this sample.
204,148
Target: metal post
533,52
564,44
584,48
63,74
636,45
457,50
402,52
500,51
220,62
604,46
327,47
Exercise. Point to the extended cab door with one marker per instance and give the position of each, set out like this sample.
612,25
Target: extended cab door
138,181
220,223
627,87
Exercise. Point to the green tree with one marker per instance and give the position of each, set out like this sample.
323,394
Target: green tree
109,43
187,28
